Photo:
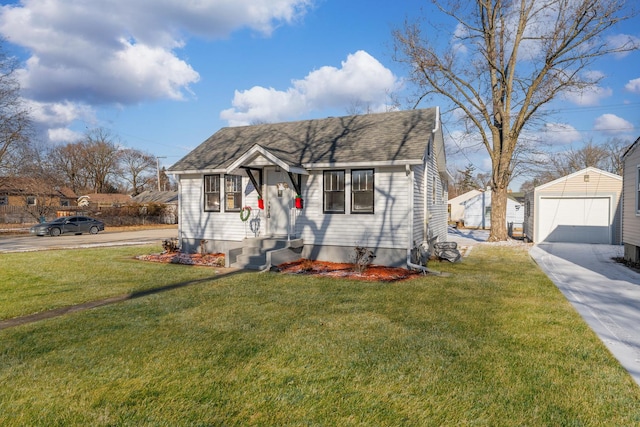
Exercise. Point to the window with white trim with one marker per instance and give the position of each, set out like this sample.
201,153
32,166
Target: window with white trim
212,193
362,191
233,193
333,191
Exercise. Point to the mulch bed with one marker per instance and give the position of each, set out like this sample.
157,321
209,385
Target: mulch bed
374,273
208,260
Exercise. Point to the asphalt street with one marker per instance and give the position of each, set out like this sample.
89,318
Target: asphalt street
69,241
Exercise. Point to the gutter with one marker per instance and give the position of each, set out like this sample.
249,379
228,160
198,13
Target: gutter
410,243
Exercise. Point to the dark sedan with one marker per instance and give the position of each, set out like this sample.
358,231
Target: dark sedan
68,224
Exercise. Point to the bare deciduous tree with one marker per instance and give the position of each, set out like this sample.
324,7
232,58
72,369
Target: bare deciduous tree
135,164
15,124
101,157
607,156
506,60
616,148
68,163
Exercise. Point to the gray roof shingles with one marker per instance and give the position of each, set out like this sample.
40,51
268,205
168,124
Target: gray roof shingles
382,137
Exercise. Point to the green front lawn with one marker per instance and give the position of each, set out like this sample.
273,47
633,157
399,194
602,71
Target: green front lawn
493,344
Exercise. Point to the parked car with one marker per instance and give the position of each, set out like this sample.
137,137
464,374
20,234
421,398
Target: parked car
68,224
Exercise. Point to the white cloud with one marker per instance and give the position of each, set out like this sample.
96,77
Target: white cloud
622,42
56,114
362,80
90,53
560,133
63,135
588,97
125,51
612,124
633,86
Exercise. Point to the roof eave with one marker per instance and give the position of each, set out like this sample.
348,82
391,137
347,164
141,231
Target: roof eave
326,165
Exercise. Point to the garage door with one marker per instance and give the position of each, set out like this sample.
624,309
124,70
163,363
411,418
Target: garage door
581,220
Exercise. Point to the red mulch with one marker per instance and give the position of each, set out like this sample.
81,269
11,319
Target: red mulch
375,273
209,260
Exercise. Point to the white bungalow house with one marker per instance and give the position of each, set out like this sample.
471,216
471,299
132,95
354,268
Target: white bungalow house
582,207
377,181
631,203
477,211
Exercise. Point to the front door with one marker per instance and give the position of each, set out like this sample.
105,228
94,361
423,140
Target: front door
279,202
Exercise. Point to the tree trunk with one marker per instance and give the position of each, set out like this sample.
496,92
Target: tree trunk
498,214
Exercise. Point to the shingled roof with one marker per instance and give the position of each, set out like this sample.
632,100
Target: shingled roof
383,138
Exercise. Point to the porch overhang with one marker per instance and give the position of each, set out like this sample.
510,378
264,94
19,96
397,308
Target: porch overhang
259,156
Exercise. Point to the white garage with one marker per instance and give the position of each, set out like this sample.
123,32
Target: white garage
583,207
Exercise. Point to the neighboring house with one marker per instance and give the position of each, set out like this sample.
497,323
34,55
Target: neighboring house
582,207
631,203
22,191
477,211
169,199
376,181
456,205
104,200
26,200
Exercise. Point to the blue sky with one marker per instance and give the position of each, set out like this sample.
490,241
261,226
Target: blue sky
163,75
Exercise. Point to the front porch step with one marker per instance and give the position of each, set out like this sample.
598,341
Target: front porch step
257,253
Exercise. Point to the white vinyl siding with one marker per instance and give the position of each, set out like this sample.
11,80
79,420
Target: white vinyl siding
638,190
198,224
419,206
631,220
386,228
437,209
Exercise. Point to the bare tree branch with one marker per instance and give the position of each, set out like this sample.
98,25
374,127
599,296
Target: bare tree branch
505,61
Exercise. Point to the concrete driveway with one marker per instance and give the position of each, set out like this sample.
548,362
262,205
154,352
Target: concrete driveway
604,292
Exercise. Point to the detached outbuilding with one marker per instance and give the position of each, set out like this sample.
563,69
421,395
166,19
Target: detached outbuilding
456,206
583,207
477,211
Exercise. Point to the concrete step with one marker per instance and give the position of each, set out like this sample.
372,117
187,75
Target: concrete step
255,252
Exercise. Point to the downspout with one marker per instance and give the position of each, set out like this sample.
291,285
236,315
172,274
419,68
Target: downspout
410,242
180,213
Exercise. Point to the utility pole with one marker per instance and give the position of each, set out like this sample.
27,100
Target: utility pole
158,168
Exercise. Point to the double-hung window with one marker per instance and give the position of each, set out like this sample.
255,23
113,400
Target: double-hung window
233,193
362,191
333,191
212,193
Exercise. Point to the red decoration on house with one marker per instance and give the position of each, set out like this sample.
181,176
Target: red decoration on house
299,203
260,203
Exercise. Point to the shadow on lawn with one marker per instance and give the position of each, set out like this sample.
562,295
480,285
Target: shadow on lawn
49,314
